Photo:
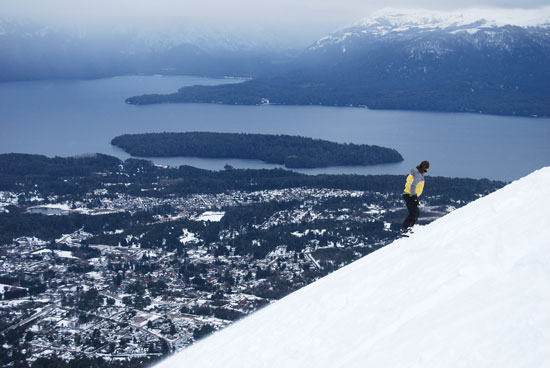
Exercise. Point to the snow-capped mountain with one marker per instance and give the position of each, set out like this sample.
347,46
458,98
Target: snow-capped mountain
446,20
475,61
472,40
468,290
399,23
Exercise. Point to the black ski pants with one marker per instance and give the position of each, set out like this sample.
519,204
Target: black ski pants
412,206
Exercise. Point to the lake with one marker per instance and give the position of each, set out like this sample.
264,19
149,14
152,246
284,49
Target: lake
75,117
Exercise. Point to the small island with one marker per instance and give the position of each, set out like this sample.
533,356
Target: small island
290,151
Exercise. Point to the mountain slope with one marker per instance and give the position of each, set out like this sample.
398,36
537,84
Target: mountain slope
472,61
468,290
432,48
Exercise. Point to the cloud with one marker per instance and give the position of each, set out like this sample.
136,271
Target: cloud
299,20
248,11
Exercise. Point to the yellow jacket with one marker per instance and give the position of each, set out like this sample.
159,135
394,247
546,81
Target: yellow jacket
415,183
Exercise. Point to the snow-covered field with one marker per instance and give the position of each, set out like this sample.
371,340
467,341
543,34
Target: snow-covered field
188,237
403,19
59,253
469,290
209,216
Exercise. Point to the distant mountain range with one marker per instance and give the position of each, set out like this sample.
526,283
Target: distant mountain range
495,62
33,51
416,60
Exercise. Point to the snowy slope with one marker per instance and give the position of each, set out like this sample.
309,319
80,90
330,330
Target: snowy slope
403,19
406,23
471,289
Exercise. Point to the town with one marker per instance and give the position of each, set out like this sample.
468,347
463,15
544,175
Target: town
137,277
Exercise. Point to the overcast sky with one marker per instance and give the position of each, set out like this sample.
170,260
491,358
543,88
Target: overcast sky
306,19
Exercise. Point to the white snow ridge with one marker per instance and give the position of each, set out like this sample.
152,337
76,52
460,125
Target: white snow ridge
403,19
471,289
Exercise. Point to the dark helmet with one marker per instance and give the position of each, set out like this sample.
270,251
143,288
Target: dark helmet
424,166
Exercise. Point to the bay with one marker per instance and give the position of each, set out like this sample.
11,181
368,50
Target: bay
75,117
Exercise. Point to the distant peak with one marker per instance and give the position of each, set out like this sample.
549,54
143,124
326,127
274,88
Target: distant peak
389,22
488,17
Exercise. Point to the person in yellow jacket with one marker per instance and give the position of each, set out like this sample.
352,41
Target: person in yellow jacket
413,189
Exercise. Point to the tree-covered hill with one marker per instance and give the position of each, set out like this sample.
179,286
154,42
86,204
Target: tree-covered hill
291,151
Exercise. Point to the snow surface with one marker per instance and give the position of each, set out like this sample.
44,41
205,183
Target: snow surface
403,19
188,237
469,290
59,253
6,287
390,22
210,216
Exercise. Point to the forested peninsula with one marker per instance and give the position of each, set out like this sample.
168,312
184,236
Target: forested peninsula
290,151
445,96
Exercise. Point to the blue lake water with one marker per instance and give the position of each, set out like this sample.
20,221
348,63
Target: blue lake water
67,118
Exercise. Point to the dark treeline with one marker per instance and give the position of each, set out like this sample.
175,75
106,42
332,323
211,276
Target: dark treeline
16,164
20,172
66,175
28,173
17,223
445,96
291,151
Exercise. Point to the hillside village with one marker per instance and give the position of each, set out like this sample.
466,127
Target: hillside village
180,268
